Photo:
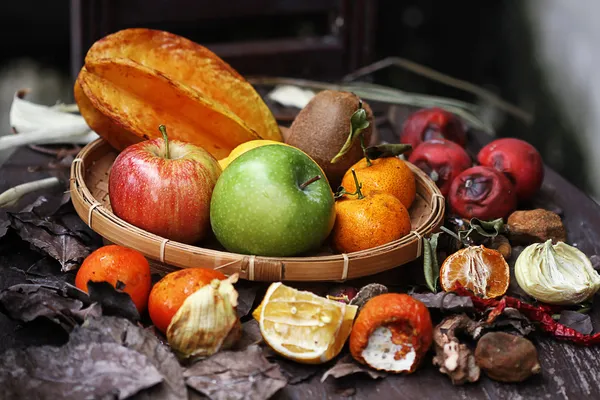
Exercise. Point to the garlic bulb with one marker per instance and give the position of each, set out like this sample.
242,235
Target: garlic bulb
556,274
207,321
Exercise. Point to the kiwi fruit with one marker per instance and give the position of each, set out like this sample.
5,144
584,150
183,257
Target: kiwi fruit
322,127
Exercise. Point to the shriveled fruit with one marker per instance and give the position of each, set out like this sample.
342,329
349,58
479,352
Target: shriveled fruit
366,221
170,292
478,269
200,91
441,159
482,192
519,160
432,123
387,174
507,358
392,333
302,326
114,263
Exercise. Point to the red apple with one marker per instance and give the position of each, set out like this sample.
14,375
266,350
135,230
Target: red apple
432,123
519,160
442,160
164,187
482,192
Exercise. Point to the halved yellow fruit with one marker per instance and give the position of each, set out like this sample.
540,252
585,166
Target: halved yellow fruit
244,147
302,326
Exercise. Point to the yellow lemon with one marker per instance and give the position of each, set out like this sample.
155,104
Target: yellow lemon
244,147
302,326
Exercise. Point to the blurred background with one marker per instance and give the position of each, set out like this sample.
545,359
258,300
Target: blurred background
536,54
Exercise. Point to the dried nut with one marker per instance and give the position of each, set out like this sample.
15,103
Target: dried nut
535,226
207,321
502,245
556,274
392,333
507,358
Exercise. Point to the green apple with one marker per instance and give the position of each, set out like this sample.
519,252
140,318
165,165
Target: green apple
273,200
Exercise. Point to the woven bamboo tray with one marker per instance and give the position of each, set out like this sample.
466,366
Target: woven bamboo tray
89,193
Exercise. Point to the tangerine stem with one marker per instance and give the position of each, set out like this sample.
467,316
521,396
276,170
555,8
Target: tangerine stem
358,186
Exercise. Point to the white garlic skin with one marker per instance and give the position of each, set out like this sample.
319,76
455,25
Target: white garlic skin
207,321
556,273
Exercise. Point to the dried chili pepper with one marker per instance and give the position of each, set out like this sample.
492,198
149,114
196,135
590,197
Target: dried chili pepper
542,314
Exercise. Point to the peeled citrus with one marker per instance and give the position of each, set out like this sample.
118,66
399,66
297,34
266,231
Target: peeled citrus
478,269
244,147
302,326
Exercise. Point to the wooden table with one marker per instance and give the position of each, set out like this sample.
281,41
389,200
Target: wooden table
568,371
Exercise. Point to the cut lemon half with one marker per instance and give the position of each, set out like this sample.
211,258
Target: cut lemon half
302,326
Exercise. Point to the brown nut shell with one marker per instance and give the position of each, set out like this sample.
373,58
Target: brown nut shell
507,358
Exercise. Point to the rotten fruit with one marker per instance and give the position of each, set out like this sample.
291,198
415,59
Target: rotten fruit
518,160
392,333
556,273
302,326
165,187
432,123
441,159
169,293
124,268
207,321
482,192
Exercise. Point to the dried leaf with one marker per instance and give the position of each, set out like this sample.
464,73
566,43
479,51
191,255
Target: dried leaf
4,223
113,301
230,375
26,302
445,301
581,322
293,371
346,365
513,321
488,229
431,268
594,259
246,297
387,150
75,371
250,335
366,293
122,332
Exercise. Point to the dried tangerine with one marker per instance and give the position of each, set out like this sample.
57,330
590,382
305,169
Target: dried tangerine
477,268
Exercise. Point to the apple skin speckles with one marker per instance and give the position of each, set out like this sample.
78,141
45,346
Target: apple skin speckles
258,206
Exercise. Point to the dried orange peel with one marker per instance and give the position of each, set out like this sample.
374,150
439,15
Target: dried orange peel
302,326
478,269
392,333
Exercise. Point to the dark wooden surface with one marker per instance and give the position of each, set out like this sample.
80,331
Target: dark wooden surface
568,371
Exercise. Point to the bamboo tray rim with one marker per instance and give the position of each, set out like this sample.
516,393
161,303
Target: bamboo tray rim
91,211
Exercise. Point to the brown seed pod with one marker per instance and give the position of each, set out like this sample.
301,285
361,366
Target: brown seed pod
507,358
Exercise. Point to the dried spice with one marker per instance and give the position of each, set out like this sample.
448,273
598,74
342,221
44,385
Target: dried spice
237,375
533,226
456,359
507,358
541,314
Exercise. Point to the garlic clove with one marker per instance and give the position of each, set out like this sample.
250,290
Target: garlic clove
207,321
556,273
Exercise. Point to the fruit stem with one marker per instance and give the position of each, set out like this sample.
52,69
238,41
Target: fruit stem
163,130
364,149
358,186
308,182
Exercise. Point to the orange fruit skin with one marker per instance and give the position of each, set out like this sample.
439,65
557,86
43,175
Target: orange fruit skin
460,267
374,220
390,310
170,292
387,174
114,263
